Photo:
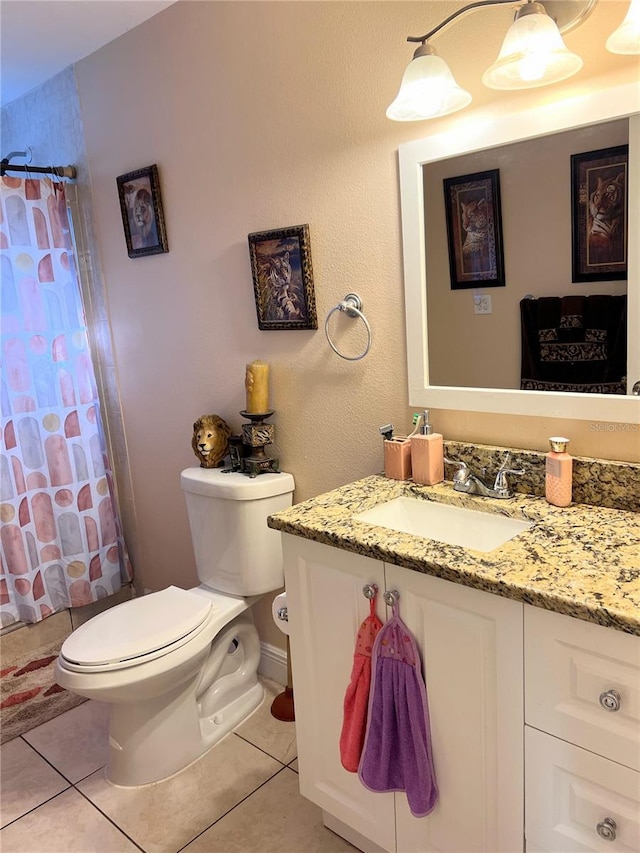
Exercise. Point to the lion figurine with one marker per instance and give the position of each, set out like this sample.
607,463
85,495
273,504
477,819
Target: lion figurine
210,440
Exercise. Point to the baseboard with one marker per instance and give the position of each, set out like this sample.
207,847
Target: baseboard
350,835
273,663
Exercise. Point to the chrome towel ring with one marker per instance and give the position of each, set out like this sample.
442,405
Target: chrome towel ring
351,305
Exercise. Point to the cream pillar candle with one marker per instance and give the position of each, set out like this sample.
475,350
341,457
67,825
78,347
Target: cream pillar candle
256,383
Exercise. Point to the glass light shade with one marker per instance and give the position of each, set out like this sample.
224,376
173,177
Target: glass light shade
532,54
626,39
428,89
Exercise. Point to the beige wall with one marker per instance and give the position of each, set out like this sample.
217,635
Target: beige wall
259,116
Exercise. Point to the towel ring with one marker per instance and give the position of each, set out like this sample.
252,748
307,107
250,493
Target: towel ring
351,305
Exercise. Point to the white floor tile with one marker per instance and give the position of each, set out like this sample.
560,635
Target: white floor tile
76,743
27,780
236,799
66,824
274,819
264,731
165,816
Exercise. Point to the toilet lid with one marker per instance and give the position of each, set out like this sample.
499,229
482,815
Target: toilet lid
137,628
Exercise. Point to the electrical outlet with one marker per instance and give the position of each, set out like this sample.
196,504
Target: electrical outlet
482,304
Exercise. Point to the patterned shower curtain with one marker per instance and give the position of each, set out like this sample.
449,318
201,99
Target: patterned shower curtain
61,540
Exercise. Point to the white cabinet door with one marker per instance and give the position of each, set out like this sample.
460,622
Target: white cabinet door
326,607
471,645
578,801
472,653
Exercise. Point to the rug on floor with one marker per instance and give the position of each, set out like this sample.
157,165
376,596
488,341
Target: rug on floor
29,694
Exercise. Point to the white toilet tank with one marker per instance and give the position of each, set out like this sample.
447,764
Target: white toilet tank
235,551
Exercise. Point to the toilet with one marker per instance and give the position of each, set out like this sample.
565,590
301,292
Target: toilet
178,667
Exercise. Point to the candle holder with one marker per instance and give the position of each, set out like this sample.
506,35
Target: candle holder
257,435
238,450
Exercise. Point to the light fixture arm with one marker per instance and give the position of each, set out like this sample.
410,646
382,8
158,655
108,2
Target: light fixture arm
457,14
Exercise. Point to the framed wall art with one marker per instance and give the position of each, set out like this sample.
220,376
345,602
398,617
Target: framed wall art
283,278
599,214
474,230
142,214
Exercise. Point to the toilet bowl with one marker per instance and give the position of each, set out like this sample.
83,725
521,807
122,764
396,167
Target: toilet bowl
179,667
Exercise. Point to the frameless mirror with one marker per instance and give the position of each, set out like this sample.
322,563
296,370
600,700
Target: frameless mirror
453,366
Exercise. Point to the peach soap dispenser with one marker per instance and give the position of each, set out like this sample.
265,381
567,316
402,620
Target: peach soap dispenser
558,473
427,454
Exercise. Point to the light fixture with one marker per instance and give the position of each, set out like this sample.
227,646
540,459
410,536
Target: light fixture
626,39
532,54
428,89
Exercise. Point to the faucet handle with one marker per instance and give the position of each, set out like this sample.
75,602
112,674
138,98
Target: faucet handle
461,465
462,474
505,461
501,485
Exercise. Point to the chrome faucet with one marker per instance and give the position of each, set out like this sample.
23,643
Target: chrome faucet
464,480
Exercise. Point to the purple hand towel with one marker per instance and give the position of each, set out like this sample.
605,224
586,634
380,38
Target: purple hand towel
397,749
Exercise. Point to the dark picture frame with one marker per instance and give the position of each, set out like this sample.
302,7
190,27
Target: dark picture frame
283,278
142,213
599,202
474,230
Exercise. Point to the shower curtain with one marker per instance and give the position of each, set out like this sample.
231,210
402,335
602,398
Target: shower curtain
60,535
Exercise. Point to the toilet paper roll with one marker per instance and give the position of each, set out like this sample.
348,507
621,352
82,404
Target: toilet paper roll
279,612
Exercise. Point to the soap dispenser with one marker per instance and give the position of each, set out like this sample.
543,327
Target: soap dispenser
558,479
427,454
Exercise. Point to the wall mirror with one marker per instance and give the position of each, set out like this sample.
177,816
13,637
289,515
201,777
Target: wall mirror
435,348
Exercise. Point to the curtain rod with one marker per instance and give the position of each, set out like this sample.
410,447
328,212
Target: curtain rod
59,171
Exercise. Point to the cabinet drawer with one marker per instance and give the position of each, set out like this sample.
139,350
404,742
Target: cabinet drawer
578,801
582,683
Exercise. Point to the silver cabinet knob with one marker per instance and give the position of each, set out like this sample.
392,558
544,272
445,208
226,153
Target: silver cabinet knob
607,829
610,700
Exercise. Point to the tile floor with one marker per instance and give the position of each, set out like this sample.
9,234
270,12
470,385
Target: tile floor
241,797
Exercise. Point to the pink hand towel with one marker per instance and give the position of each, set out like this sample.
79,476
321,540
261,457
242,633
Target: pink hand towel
356,698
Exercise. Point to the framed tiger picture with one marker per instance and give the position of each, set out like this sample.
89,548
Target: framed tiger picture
599,200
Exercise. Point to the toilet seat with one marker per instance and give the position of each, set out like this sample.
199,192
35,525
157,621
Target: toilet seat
141,630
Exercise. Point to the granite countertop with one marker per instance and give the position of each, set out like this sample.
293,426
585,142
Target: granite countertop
582,560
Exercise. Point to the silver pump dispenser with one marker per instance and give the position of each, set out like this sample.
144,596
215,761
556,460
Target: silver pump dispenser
426,428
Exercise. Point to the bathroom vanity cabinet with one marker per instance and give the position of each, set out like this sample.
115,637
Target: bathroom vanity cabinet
471,645
535,716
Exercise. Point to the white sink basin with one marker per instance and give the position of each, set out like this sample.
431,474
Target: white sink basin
453,525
